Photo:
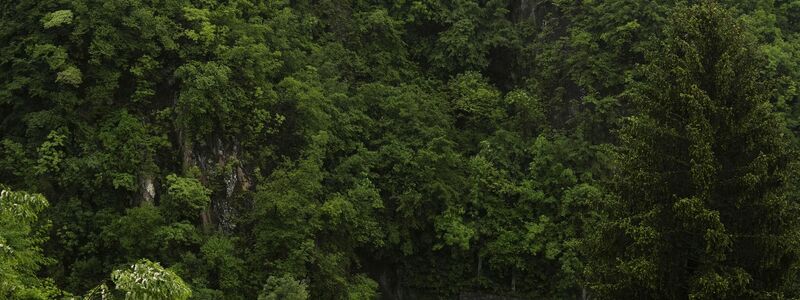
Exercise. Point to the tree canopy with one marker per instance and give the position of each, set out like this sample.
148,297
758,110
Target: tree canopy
367,149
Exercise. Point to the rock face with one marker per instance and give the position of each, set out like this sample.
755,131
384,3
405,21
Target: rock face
532,10
147,188
219,166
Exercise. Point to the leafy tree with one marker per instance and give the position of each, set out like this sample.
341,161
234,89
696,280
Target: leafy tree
363,288
186,198
705,177
283,288
529,218
20,247
141,281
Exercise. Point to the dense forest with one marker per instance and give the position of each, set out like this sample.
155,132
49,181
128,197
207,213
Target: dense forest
407,149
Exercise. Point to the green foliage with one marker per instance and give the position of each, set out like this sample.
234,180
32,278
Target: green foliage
135,232
424,149
363,288
283,288
57,18
148,280
20,247
50,155
219,255
705,179
141,281
185,198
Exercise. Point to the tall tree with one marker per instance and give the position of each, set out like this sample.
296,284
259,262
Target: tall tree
143,280
705,206
20,247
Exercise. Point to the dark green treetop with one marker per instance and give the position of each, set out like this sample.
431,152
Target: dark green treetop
705,206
